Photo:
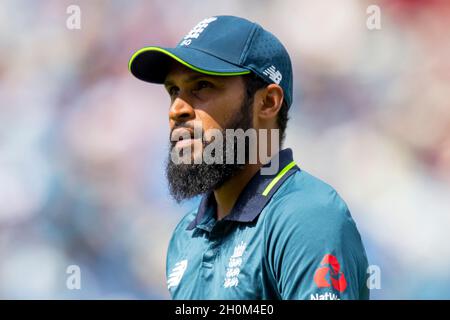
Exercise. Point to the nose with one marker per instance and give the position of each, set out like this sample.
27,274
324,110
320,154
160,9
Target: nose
181,111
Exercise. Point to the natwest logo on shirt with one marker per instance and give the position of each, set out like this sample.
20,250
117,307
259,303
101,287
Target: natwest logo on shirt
330,271
325,296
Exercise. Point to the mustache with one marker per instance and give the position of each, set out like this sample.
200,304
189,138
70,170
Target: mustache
183,125
181,129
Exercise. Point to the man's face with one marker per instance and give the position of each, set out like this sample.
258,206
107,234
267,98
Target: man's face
215,102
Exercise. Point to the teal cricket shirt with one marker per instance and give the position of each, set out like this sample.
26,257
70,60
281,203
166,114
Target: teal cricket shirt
289,236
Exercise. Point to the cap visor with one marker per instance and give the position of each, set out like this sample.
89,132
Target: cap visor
152,64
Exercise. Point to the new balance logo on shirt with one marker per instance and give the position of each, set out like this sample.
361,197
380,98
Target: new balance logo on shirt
177,273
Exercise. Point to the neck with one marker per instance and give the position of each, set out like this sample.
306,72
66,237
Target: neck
227,195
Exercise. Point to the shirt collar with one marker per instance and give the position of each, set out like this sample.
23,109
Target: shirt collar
255,196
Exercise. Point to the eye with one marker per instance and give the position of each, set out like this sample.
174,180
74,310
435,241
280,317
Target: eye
204,84
173,90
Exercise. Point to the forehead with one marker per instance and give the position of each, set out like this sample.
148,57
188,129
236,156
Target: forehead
179,73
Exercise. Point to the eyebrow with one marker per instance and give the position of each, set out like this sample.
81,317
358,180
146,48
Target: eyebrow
188,79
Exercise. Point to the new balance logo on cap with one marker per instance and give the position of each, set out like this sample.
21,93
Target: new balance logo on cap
273,74
196,31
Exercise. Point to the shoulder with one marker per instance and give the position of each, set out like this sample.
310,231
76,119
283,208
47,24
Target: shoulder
180,232
179,236
305,196
186,220
309,208
305,222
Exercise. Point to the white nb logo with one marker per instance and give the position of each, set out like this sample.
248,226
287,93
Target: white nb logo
273,74
196,31
177,273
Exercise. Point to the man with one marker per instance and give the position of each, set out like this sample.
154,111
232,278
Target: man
263,229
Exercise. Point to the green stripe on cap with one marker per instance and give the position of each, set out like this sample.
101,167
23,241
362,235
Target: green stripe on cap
277,178
190,66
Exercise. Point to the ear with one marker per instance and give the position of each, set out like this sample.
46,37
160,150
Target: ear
270,102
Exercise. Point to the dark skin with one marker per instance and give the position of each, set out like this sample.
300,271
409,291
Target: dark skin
212,100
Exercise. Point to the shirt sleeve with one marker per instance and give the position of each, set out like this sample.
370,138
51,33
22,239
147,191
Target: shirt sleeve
314,250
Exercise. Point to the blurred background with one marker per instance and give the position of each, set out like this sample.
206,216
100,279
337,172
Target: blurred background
83,143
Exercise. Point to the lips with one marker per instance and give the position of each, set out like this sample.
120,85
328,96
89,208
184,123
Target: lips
180,134
185,143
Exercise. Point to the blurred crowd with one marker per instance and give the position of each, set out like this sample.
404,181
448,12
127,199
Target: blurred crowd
83,144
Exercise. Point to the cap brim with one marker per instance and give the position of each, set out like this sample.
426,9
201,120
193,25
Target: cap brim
152,64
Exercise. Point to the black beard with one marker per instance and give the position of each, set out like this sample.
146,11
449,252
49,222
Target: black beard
189,180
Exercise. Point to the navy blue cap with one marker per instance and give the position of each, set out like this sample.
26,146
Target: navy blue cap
221,46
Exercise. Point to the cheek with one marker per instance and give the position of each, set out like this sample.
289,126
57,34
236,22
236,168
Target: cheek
217,115
211,120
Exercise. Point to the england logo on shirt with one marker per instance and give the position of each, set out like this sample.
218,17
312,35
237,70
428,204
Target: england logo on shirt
234,266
